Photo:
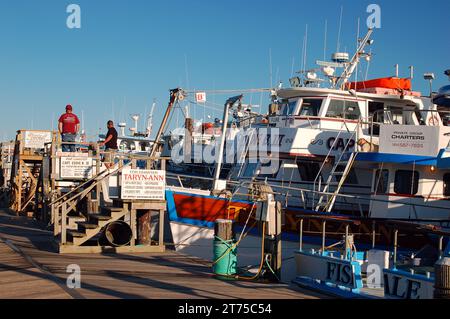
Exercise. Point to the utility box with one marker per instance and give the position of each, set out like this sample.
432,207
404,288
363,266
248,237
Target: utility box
266,211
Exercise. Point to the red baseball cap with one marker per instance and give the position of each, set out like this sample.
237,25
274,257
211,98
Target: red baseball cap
68,107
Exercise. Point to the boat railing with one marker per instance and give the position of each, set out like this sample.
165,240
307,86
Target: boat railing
238,189
396,226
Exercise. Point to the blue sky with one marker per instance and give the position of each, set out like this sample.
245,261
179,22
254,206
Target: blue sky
128,53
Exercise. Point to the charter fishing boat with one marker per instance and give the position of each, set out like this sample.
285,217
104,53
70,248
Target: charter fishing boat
370,151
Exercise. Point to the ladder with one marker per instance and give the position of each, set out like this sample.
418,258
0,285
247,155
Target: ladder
340,171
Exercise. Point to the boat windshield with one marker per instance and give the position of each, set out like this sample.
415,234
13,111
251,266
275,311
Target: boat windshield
344,109
288,108
311,107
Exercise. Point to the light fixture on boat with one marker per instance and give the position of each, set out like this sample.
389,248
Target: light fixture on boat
430,77
328,71
311,75
122,128
340,57
432,169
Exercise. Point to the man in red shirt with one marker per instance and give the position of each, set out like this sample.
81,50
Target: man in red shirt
68,127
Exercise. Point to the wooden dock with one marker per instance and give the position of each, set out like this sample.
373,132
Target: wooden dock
31,268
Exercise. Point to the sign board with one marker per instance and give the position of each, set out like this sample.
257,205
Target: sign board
200,97
35,139
76,167
402,285
143,184
332,270
409,140
71,154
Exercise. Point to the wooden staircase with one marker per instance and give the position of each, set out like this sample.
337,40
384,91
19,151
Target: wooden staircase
94,225
78,234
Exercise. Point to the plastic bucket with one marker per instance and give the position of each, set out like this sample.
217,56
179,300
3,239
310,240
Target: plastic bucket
225,259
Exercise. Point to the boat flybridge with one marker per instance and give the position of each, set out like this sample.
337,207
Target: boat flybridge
370,149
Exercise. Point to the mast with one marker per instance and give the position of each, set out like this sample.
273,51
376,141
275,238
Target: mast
150,120
351,66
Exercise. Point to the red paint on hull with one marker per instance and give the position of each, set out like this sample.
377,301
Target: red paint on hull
207,209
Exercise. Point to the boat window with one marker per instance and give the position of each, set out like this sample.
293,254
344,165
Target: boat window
250,169
270,169
288,108
395,115
128,146
311,107
376,111
381,182
308,170
344,109
420,118
406,182
447,184
144,146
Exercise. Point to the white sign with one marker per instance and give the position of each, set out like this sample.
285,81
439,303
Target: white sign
200,97
333,270
402,285
34,139
76,167
143,184
409,139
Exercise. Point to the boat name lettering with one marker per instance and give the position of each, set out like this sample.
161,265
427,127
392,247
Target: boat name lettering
340,144
411,291
142,177
339,273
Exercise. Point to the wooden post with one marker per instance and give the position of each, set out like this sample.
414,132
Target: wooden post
442,278
63,224
56,220
144,227
19,186
133,226
98,167
395,247
161,228
223,229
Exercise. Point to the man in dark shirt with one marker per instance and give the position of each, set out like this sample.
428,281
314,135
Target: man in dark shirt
110,145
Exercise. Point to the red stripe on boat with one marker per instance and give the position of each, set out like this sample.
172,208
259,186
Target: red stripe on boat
207,209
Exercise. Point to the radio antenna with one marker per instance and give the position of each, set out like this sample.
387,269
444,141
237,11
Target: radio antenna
339,32
325,41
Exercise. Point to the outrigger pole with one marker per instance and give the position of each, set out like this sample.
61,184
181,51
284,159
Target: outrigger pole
174,96
228,104
350,68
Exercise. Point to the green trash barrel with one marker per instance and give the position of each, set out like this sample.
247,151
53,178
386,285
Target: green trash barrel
225,259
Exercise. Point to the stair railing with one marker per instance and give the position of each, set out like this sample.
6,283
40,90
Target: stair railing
63,205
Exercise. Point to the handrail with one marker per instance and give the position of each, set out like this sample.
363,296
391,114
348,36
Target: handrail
358,197
97,181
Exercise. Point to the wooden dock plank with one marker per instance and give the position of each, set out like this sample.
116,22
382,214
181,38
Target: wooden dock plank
168,275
